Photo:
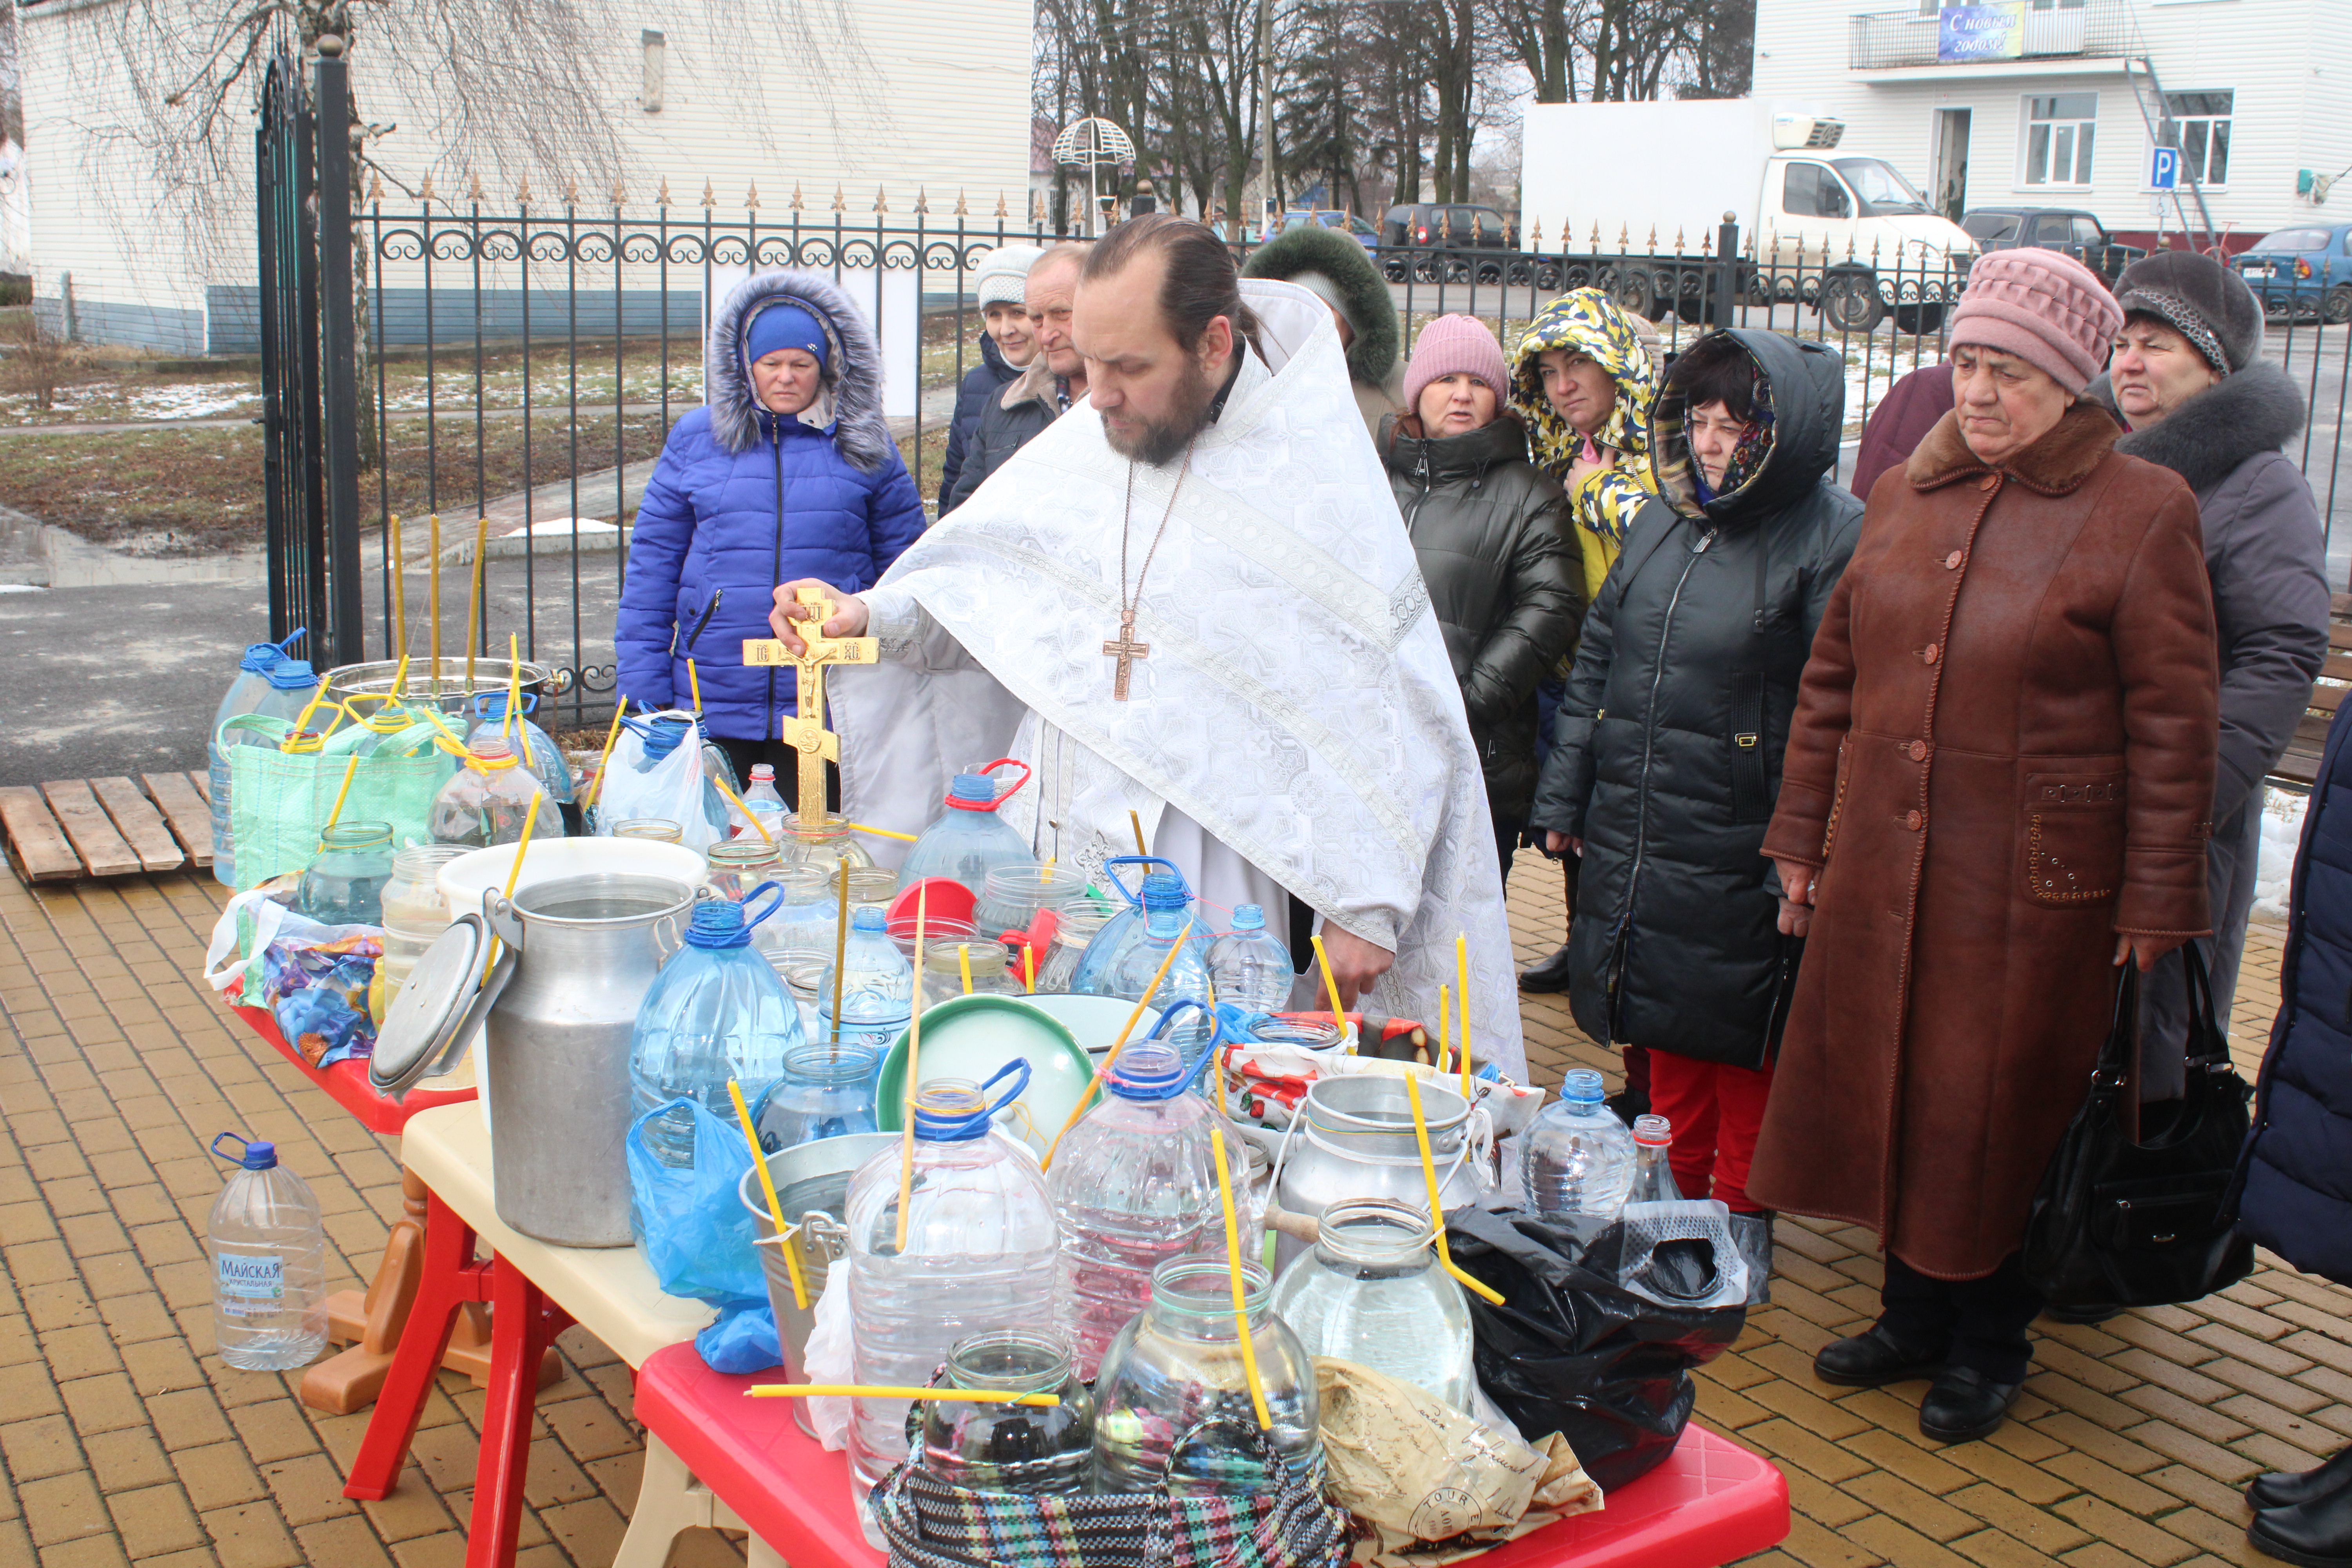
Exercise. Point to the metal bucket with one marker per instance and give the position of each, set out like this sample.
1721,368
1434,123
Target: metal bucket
1352,1137
443,685
813,1184
586,950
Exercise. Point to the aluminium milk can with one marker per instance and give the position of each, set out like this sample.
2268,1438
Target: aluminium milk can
1351,1138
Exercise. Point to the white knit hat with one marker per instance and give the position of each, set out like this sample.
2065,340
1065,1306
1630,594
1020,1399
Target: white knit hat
1004,274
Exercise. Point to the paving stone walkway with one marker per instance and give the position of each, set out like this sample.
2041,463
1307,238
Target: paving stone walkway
123,1437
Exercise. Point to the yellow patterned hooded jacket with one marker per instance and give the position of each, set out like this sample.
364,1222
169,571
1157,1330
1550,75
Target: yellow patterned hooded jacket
1588,321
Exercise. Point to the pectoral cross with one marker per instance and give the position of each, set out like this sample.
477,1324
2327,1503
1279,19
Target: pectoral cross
804,732
1126,650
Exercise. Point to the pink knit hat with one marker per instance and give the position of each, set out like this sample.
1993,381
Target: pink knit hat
1454,345
2044,307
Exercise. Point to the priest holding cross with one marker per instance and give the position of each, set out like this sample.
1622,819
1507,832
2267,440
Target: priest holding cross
1194,600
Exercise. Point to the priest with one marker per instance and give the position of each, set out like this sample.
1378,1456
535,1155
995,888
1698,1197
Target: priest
1194,600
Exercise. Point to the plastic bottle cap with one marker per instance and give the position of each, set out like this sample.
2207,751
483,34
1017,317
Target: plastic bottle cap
262,657
259,1157
293,675
869,917
1582,1087
763,774
1248,917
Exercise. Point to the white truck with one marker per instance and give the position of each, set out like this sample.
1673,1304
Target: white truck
1629,194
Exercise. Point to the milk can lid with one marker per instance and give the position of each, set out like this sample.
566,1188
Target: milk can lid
437,1012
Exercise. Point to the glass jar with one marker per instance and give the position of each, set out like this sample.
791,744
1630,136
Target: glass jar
827,1091
654,830
809,917
802,973
1012,1447
1372,1291
825,844
343,884
737,865
869,886
1080,919
1014,894
1172,1403
943,969
415,912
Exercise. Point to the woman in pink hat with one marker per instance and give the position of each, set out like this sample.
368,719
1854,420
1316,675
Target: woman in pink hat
1997,790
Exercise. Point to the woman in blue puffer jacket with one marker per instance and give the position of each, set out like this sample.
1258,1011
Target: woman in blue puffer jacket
788,470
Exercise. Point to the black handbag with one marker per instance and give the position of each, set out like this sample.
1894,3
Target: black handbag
2119,1223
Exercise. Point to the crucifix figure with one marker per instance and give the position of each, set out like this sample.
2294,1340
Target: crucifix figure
1126,650
804,731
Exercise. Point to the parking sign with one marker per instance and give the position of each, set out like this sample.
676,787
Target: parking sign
2163,168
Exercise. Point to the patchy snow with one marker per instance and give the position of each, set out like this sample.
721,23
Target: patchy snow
2274,871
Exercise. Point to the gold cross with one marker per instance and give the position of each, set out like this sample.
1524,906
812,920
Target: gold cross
805,731
1126,650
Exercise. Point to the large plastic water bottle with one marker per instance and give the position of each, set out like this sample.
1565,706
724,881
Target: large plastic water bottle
715,1011
278,688
269,1263
1134,1185
877,986
538,750
1125,971
1576,1157
968,840
979,1254
1251,967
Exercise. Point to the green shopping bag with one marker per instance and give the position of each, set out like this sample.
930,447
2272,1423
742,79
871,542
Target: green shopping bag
279,801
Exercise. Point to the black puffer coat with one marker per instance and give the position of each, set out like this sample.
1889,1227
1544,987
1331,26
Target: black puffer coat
982,384
1488,528
1667,756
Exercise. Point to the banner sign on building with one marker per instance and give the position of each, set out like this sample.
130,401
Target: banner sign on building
1981,32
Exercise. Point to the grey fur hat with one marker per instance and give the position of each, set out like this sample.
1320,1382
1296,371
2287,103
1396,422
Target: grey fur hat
853,367
1311,254
2205,301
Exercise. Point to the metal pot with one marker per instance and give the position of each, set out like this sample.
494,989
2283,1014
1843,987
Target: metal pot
812,1186
441,686
586,952
1352,1137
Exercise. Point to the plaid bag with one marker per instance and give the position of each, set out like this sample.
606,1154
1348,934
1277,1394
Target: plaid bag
933,1523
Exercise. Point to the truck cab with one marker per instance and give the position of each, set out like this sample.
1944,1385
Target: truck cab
1855,236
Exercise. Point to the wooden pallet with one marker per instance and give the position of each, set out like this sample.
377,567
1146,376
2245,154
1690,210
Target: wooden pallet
72,828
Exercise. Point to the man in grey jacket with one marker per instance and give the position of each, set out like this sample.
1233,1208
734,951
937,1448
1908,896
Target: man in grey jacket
2188,377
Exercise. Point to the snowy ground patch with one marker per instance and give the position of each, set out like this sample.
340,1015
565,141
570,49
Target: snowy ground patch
2274,871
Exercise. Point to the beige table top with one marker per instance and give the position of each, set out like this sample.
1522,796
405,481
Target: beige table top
608,1290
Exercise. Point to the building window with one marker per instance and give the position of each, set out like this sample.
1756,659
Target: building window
2059,130
2199,124
656,50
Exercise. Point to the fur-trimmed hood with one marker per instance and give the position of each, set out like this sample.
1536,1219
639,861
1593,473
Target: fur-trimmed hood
1363,295
2259,409
851,377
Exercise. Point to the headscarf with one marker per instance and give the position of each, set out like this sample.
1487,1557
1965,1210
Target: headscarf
1588,321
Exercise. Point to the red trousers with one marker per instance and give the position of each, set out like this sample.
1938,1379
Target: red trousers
1717,1111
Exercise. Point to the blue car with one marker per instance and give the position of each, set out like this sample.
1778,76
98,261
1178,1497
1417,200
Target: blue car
2303,272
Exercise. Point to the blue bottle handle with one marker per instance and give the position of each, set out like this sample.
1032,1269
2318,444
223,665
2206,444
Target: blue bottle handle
751,919
954,1128
1136,899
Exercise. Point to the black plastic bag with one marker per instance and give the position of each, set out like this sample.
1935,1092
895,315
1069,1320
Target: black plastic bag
1569,1352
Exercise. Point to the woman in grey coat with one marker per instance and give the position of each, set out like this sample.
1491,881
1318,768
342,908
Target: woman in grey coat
2188,377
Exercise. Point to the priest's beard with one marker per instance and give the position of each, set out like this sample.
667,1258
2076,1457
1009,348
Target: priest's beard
1162,441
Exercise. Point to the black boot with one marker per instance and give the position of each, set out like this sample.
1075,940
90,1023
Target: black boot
1964,1405
1551,976
2293,1488
1875,1357
2314,1534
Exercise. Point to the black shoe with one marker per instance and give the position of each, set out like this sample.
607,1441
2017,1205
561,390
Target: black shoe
2315,1534
2081,1315
1550,976
1626,1105
1872,1358
2293,1488
1964,1405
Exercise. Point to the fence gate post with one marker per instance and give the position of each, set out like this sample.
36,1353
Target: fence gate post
1726,272
339,357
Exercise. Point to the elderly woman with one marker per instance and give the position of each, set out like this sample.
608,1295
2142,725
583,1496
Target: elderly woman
1997,787
1338,270
1006,346
1485,525
2189,378
787,471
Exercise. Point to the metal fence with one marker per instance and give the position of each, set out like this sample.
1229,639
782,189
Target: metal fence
525,365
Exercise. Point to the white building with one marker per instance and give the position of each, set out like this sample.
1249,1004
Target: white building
143,230
2260,89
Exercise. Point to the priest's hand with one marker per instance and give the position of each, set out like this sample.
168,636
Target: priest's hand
1355,963
848,619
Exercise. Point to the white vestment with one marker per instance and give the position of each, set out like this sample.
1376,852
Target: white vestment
1297,725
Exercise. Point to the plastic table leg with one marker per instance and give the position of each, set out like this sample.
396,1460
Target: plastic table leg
523,1326
451,1278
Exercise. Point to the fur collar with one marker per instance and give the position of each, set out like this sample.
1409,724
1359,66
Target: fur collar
1036,380
853,376
2259,409
2054,465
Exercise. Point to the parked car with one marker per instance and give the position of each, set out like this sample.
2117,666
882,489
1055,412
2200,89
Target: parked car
2071,229
1333,218
1436,232
2303,271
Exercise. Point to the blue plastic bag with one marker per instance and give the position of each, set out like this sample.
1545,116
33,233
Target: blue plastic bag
688,1222
742,1340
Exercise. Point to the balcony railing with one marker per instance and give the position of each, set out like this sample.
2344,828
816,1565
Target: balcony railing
1886,40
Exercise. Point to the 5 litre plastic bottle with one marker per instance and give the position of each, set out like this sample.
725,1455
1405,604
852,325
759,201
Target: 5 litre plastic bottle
273,685
968,839
1250,967
269,1263
877,986
715,1011
1576,1158
538,750
1125,971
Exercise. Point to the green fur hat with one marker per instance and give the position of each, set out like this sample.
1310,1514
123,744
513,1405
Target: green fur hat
1312,255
